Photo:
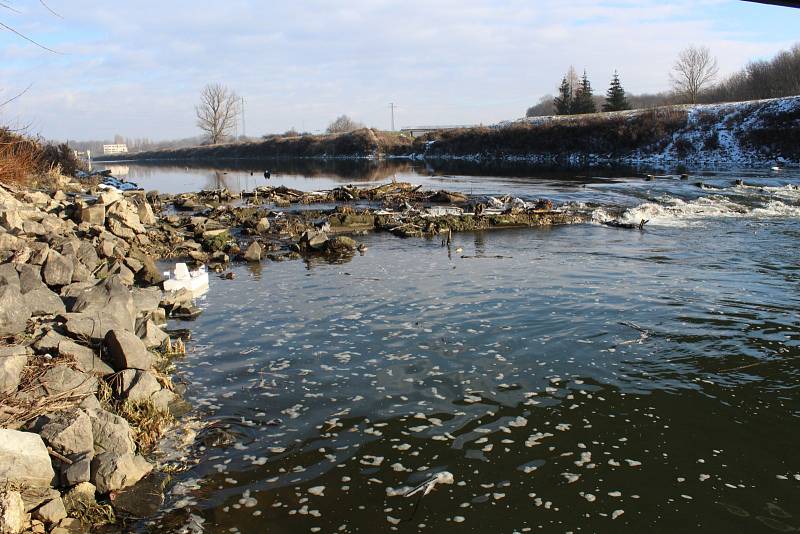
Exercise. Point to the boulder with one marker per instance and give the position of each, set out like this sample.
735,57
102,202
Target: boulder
112,298
94,214
136,385
112,471
57,269
80,273
68,432
51,512
79,496
33,228
262,225
11,220
313,239
80,470
62,379
87,255
14,313
146,300
109,197
151,335
48,343
30,278
12,512
42,301
116,227
24,460
126,351
146,215
12,362
111,433
253,252
341,244
92,326
39,253
10,242
9,276
85,358
163,399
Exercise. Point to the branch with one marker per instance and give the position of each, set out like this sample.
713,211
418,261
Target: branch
16,97
12,30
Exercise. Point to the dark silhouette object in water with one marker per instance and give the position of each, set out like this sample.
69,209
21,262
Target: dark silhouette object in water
267,174
628,226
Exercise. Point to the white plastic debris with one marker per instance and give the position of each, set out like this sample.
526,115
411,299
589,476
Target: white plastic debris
181,278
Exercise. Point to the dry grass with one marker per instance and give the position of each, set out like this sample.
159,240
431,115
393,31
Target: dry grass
24,405
147,422
20,158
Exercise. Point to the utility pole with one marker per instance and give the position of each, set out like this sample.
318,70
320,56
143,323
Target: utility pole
391,107
244,130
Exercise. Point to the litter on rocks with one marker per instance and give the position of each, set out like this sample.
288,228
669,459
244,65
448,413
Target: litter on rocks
181,278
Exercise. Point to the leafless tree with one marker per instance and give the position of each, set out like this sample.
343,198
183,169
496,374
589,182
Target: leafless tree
694,70
217,111
343,124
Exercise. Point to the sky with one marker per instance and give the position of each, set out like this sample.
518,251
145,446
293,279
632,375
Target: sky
136,68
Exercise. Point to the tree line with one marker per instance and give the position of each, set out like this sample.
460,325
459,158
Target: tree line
692,77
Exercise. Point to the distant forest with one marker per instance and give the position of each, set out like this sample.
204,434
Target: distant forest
773,78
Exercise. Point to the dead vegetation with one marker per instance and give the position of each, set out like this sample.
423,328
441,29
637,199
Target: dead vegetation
23,159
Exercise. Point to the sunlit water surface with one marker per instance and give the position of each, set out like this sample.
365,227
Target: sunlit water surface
572,379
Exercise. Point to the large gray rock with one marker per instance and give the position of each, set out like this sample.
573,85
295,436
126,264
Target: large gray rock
112,298
146,300
14,313
68,432
126,351
9,276
253,252
12,362
136,385
92,326
12,512
111,433
57,269
94,214
63,379
262,225
24,460
42,301
112,472
151,335
85,358
30,278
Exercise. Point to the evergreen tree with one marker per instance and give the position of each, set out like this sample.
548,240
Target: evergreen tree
615,96
563,102
583,102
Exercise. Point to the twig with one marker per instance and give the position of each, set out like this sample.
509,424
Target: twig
59,457
12,30
49,9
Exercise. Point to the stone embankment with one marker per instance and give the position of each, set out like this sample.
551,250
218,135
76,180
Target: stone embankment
85,390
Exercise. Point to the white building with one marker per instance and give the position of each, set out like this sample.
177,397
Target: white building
115,149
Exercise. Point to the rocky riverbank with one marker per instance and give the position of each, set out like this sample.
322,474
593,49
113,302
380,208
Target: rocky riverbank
85,385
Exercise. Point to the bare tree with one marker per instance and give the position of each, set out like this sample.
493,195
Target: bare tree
343,124
694,69
217,111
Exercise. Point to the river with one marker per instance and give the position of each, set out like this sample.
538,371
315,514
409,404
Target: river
572,379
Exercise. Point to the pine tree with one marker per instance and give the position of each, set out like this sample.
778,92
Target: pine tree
563,102
583,103
615,96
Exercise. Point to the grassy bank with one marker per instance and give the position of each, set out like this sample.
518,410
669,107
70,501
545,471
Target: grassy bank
736,133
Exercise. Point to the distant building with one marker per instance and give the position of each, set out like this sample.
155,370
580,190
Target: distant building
115,149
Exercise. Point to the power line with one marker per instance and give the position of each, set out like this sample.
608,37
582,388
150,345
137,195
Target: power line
391,107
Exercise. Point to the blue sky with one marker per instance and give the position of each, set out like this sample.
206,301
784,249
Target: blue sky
136,68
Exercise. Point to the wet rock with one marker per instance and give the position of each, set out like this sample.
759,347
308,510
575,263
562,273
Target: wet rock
51,512
68,432
253,252
313,240
111,472
262,225
12,362
42,301
185,312
126,351
24,460
136,385
57,269
144,498
12,512
341,244
14,312
111,433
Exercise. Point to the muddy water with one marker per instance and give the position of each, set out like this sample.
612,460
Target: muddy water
574,379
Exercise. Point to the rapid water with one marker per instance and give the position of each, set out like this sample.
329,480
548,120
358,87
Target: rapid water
572,379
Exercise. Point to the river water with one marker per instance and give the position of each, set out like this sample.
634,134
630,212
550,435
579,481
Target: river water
572,379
